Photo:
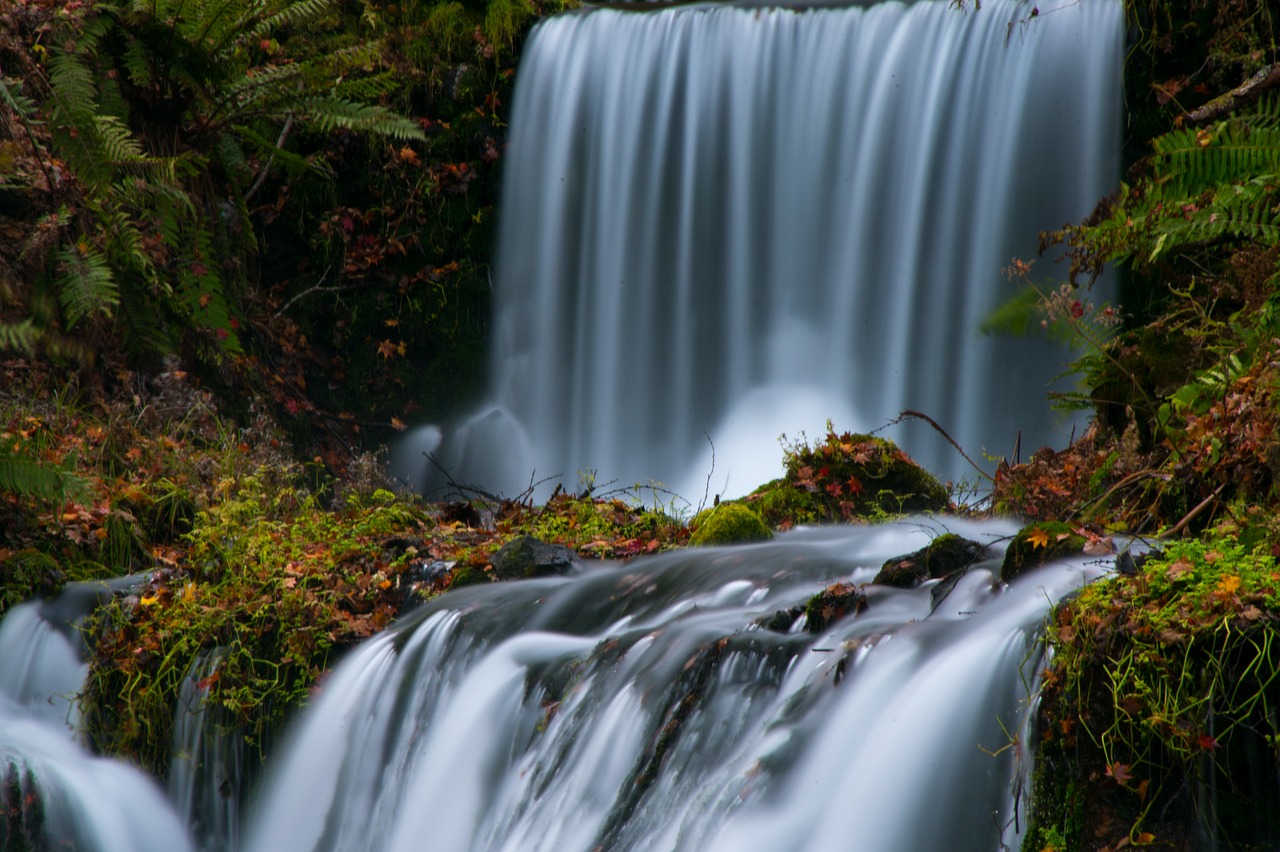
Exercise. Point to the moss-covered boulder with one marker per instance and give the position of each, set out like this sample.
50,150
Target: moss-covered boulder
1156,721
728,523
832,604
846,477
1036,544
946,556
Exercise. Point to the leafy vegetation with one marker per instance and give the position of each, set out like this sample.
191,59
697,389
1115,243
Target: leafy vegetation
1166,679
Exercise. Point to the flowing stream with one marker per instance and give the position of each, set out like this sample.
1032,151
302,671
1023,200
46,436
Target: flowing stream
720,224
676,702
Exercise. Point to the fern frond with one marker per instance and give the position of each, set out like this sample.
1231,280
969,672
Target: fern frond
86,285
293,14
24,476
116,140
72,86
11,96
19,336
331,112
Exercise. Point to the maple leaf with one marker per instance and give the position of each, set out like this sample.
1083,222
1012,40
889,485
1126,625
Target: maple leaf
1038,538
398,424
387,349
1119,772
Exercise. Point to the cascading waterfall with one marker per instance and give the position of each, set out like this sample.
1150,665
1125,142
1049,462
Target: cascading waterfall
55,794
744,221
645,707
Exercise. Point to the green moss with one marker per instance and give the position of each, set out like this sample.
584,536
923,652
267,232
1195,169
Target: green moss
1037,544
728,523
946,555
781,504
1163,684
847,477
273,581
832,604
468,575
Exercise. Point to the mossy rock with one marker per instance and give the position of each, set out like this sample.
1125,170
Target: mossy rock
468,575
728,523
27,574
780,504
832,604
946,556
1037,544
847,477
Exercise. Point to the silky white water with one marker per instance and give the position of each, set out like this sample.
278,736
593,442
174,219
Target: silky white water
721,224
644,707
638,706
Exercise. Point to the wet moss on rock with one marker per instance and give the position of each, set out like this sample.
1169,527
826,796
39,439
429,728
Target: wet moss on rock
946,556
728,523
846,477
832,604
1037,544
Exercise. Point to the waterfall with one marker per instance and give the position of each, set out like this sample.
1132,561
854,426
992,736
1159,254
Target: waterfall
645,707
737,222
55,794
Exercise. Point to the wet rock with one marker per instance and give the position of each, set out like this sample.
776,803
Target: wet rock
946,557
1038,543
832,604
526,557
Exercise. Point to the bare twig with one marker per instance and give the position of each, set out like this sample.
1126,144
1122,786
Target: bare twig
316,288
262,176
903,415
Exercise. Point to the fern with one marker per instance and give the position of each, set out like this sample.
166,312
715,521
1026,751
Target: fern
86,285
21,336
1203,187
24,476
330,112
293,14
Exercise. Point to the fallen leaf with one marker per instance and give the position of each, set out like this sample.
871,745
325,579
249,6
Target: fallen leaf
1038,538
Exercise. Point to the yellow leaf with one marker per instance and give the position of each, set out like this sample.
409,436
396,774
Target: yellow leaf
149,599
1038,538
398,424
1229,584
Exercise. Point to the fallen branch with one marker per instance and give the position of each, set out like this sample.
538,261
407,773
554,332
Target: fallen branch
1200,507
1247,92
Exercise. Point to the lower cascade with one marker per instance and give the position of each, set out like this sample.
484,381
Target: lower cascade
719,224
684,701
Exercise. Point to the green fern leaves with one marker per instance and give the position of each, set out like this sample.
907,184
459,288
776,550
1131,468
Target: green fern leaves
1203,187
26,477
86,286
